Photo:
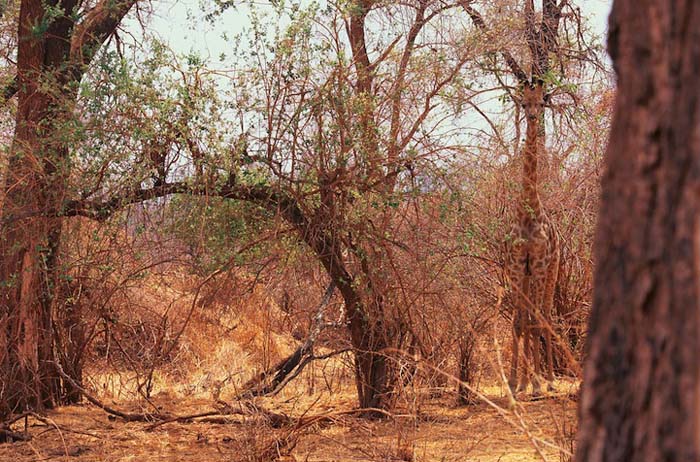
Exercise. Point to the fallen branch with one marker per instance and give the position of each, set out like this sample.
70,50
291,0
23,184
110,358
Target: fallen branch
275,420
277,377
184,418
9,436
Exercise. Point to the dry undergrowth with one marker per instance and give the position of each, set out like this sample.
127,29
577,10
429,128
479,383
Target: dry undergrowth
435,430
225,345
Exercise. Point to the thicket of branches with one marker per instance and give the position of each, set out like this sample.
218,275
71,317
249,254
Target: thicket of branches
371,146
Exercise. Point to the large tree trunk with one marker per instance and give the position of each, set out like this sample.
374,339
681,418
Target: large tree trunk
25,321
641,393
373,373
50,65
28,247
368,334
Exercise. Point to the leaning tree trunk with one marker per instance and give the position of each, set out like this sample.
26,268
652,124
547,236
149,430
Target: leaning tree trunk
641,394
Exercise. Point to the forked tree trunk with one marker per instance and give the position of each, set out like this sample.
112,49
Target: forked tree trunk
27,247
641,394
50,65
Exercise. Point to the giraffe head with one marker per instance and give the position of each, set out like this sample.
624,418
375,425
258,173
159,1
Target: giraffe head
533,99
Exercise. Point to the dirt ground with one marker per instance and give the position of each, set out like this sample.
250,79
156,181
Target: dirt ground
323,426
435,430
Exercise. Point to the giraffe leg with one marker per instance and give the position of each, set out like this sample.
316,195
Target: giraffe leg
513,379
527,356
550,360
518,281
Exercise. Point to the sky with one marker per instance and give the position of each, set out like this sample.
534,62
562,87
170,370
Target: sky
181,24
598,11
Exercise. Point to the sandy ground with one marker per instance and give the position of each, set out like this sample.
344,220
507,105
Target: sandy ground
433,430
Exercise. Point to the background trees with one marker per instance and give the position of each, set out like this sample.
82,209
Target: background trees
368,145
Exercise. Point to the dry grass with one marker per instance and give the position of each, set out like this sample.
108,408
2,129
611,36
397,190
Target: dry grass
228,340
87,434
439,434
434,431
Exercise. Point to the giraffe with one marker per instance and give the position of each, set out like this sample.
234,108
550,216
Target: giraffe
532,257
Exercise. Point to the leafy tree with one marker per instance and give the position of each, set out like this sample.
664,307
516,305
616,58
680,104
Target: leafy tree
324,135
56,41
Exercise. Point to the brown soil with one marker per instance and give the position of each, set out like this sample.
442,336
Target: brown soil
226,344
434,431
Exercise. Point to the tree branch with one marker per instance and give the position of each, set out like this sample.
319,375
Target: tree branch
479,22
276,378
418,23
260,194
99,23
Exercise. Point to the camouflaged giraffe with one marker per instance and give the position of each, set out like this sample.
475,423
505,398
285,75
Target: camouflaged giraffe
532,259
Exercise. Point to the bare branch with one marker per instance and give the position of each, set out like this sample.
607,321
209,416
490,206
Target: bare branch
99,23
418,23
479,22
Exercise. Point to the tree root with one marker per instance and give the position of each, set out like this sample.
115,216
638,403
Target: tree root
9,436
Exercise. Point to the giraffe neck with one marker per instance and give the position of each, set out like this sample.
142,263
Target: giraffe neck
533,104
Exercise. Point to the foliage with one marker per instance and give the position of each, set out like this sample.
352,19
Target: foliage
375,147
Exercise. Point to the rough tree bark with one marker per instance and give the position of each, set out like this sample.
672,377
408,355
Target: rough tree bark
641,394
367,331
53,53
28,248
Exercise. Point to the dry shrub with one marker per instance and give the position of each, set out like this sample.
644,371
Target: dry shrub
134,302
232,337
256,442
